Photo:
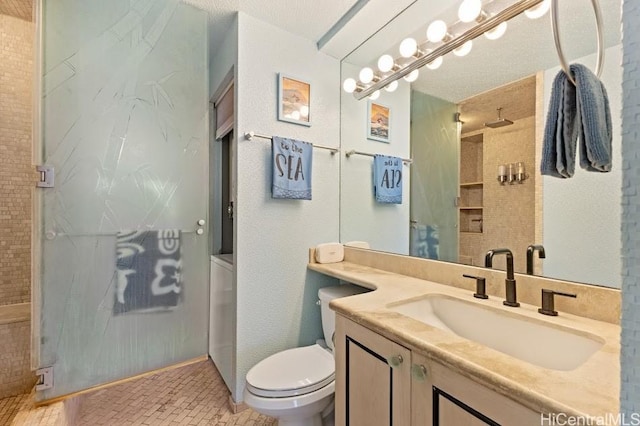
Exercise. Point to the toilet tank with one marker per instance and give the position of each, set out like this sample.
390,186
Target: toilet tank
326,295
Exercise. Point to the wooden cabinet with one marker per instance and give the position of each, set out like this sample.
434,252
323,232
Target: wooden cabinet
379,382
373,379
447,398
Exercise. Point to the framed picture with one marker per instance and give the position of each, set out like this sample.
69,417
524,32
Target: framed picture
294,100
378,124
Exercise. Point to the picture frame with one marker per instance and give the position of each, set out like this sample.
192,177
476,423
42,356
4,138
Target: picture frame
294,100
378,122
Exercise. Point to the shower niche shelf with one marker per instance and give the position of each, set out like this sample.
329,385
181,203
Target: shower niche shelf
471,183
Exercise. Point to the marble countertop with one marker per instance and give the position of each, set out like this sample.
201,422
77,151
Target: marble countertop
592,389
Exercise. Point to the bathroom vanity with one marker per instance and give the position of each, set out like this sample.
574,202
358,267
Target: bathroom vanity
419,352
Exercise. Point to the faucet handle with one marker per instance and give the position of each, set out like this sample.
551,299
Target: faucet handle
547,301
481,288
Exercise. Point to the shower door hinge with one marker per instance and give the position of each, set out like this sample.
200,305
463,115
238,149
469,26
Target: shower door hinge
47,176
45,378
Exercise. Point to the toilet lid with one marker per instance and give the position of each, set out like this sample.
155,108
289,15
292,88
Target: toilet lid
292,372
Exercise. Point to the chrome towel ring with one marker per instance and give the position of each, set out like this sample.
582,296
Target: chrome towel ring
600,38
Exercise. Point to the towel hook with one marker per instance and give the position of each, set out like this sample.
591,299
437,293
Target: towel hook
556,38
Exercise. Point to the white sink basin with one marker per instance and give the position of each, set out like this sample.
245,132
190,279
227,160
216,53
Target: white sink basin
537,342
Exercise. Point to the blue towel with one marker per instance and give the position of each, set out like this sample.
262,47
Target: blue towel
292,165
149,270
577,113
425,241
595,133
387,178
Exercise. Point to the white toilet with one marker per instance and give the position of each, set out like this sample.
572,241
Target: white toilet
296,386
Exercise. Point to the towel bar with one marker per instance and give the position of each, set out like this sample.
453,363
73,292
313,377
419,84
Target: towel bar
250,135
556,39
347,154
50,235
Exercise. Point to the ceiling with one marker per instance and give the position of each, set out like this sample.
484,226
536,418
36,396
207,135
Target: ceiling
526,47
307,18
310,19
482,108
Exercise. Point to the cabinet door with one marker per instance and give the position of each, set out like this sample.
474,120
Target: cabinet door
456,400
372,378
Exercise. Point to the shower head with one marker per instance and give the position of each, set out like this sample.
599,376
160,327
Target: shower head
499,122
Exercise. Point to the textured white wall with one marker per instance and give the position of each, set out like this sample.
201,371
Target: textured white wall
630,356
581,215
224,58
384,226
276,294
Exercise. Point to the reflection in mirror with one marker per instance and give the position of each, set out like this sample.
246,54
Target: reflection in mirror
467,122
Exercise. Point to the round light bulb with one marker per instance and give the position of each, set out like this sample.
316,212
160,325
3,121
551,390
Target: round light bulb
464,49
304,111
436,31
385,63
497,32
349,85
295,115
366,75
375,95
391,87
412,76
408,47
469,10
435,64
538,11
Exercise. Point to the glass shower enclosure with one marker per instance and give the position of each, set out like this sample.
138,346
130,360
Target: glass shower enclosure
122,282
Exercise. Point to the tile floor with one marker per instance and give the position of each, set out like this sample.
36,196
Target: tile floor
9,407
191,395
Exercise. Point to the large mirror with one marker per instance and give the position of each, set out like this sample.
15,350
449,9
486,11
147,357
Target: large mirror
447,122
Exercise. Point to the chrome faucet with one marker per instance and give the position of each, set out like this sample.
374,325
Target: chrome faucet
530,250
510,282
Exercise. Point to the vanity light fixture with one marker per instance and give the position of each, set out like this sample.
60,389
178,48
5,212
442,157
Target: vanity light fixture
412,76
539,10
435,64
464,49
437,31
366,75
470,10
497,32
493,26
350,85
391,87
385,63
408,47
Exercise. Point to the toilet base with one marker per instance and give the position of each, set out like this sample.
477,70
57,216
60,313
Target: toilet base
315,420
300,410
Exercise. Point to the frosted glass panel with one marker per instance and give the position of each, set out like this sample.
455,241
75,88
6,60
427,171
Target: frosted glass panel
435,149
125,126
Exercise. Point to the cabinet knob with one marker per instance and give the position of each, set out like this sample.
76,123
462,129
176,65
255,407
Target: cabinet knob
395,361
419,372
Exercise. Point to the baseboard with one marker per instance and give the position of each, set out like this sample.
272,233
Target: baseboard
117,382
236,407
